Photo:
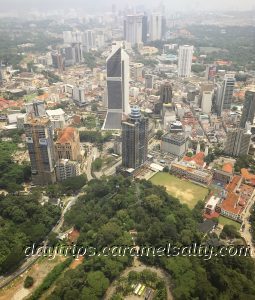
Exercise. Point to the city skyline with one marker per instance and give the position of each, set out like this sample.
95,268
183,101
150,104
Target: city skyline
183,5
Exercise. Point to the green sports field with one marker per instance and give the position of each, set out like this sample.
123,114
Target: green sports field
187,192
225,221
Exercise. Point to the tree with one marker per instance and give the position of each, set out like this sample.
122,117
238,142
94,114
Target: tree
159,134
29,281
166,169
97,164
97,282
229,231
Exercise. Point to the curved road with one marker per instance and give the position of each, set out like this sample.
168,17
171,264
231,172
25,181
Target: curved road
5,280
139,267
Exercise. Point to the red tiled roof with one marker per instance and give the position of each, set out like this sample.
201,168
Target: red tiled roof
228,168
197,158
233,184
247,175
66,135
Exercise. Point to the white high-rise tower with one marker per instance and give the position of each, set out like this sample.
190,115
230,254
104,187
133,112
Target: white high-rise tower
185,60
155,27
133,28
117,65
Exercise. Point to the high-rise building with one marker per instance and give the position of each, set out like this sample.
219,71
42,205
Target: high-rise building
148,81
117,100
155,27
133,29
1,74
134,140
79,95
78,55
166,93
136,71
210,72
39,139
145,29
237,142
68,52
248,108
67,145
206,103
58,61
225,93
185,60
89,40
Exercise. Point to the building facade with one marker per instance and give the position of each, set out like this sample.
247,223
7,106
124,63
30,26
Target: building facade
134,140
185,60
166,93
155,27
237,142
174,143
66,168
67,145
248,108
133,29
39,139
225,93
117,100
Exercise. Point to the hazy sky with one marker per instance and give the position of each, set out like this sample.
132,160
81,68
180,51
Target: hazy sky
99,5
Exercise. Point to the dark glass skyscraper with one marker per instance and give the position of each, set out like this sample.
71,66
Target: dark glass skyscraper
166,93
248,108
134,139
117,66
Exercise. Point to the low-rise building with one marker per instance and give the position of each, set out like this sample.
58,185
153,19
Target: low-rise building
66,168
176,144
225,174
189,171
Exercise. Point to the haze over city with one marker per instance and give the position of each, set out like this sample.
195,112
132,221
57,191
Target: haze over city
101,5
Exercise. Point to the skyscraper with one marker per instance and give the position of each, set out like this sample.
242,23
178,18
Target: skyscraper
166,93
89,40
1,74
185,60
248,108
225,93
155,27
206,103
134,140
145,29
39,138
148,81
237,142
58,61
133,29
117,69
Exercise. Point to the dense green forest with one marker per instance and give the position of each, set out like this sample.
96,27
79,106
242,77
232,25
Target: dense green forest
12,175
114,206
23,221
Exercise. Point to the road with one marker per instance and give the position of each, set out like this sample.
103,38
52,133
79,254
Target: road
91,157
70,203
139,267
110,171
5,280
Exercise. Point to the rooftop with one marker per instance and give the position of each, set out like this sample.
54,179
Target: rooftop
66,135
